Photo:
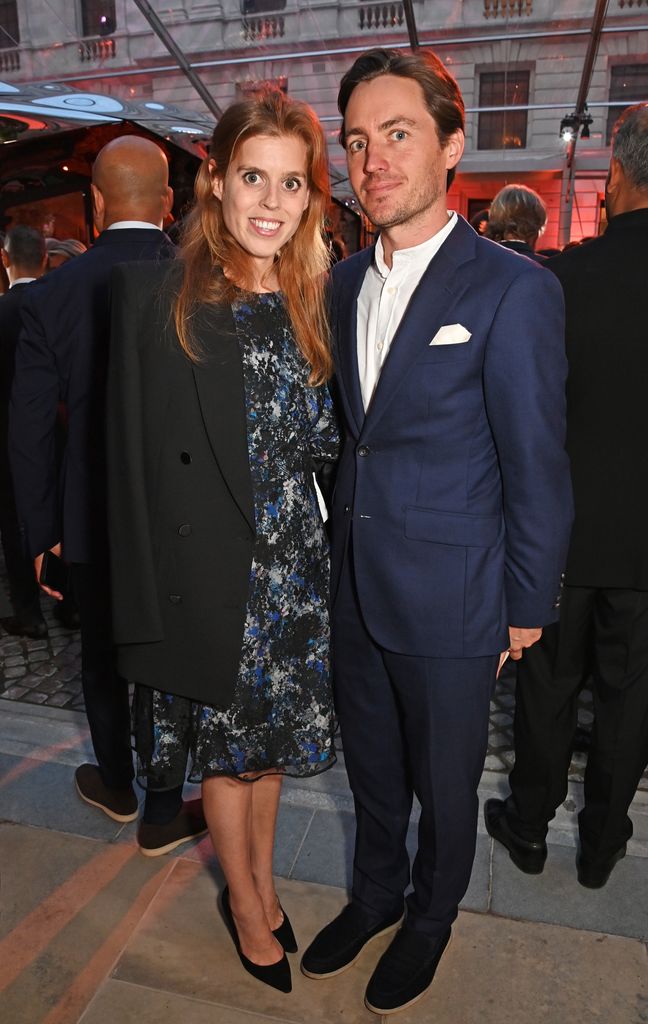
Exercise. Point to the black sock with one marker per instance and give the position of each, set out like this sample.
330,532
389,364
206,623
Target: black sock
161,807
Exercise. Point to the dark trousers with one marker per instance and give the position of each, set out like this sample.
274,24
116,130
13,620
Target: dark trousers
24,590
105,693
409,725
603,633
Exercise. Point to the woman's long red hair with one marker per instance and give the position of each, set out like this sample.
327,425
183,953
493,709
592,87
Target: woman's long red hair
207,247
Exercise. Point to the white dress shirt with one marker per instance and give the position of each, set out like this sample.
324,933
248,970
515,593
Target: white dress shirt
22,280
121,224
383,299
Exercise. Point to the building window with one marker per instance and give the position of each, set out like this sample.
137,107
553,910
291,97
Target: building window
98,17
9,28
253,89
262,6
629,82
503,129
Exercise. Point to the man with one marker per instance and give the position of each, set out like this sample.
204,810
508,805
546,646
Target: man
603,627
62,356
450,515
24,259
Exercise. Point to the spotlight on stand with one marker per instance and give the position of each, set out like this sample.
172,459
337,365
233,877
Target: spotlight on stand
106,25
569,127
574,123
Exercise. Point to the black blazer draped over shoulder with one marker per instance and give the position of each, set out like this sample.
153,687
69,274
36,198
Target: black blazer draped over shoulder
180,501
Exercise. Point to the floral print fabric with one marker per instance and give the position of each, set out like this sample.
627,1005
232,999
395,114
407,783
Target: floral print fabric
281,717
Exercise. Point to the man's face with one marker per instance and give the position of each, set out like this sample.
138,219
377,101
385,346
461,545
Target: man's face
397,166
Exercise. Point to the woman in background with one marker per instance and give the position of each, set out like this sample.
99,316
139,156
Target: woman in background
217,408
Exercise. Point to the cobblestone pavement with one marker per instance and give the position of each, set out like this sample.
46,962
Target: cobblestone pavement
48,671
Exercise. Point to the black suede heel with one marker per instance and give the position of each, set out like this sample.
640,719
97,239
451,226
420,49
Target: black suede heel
276,975
285,935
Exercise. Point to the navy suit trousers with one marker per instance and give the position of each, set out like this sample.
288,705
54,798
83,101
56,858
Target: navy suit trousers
409,725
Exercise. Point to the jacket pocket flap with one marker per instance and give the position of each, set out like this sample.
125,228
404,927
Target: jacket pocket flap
452,527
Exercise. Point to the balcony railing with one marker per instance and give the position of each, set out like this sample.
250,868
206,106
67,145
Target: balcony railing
257,29
376,16
101,48
9,61
508,8
633,3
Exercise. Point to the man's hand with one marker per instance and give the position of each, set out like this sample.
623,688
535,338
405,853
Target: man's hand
38,562
521,638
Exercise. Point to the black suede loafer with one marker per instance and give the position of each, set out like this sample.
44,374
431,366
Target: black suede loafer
339,945
405,971
594,876
188,824
528,856
118,804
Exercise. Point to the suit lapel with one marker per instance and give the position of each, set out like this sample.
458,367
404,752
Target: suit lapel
438,290
346,338
221,395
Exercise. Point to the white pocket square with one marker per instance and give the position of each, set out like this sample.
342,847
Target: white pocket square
451,334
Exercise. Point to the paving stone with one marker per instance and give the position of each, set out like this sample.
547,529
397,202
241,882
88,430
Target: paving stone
45,670
123,1002
42,793
37,645
37,656
35,697
497,971
15,672
182,947
15,692
555,896
16,659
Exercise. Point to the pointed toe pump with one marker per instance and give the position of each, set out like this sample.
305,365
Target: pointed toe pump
276,975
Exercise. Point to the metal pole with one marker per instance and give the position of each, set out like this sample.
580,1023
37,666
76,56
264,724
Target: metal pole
569,170
410,20
176,52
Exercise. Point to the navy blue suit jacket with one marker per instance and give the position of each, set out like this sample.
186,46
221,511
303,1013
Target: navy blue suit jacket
455,485
62,356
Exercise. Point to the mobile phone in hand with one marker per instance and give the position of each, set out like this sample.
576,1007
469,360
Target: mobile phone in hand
55,573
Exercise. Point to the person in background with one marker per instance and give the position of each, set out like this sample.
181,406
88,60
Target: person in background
217,408
517,218
603,625
62,356
60,251
479,221
24,259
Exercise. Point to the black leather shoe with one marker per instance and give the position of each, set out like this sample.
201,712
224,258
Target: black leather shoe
284,933
33,627
527,856
405,971
276,975
594,876
339,945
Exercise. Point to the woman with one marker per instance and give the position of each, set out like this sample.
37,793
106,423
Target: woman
217,408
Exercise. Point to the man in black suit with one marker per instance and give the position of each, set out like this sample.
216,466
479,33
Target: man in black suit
62,355
603,627
24,259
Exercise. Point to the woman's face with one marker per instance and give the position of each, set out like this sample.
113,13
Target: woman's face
264,194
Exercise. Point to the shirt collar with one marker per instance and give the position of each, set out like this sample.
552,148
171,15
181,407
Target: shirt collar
21,280
417,256
121,224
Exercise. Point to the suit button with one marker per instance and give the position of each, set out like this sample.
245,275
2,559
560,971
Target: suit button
347,508
364,450
185,458
175,599
184,530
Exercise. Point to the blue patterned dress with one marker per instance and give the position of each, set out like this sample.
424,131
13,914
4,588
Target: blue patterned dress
281,717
